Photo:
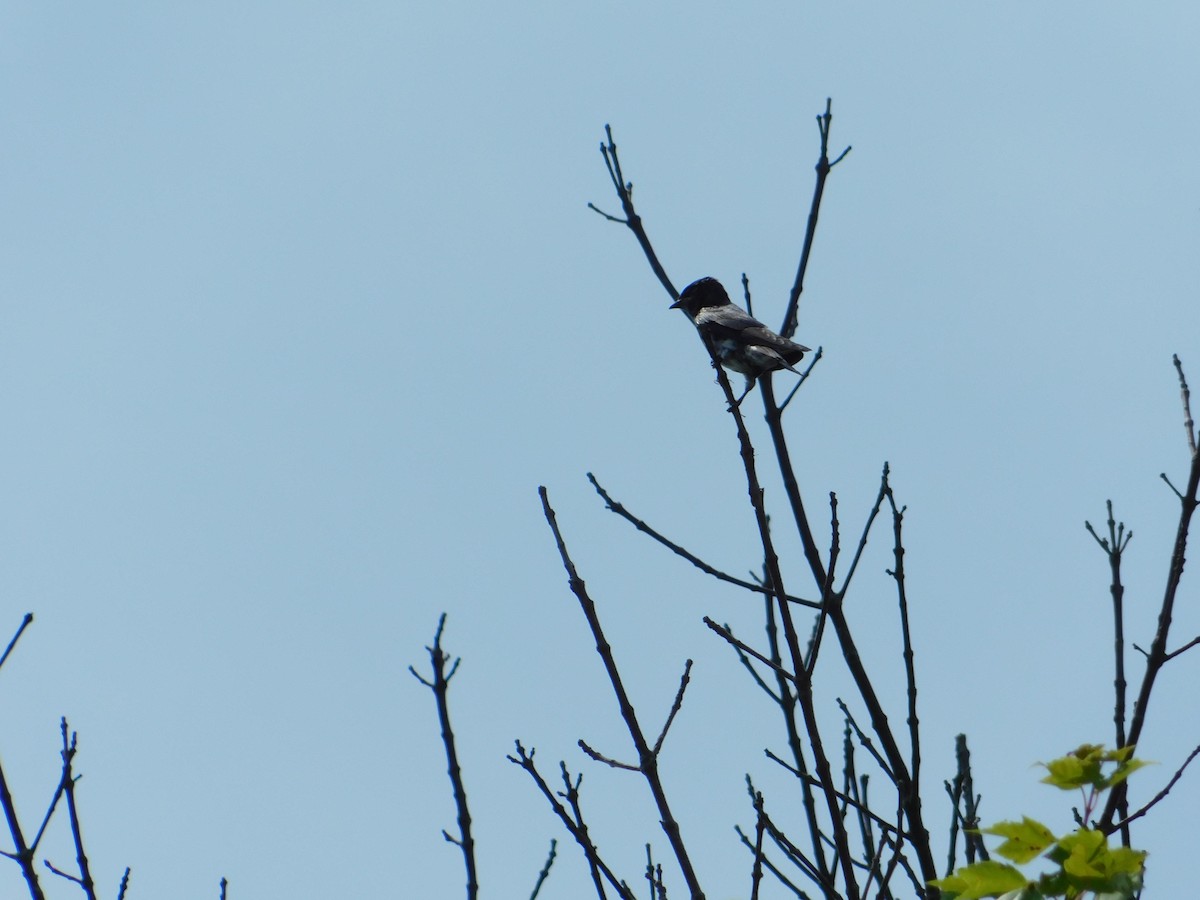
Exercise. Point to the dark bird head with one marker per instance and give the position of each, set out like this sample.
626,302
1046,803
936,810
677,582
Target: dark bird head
700,295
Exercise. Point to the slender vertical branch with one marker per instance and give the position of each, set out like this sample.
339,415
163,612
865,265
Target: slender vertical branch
790,318
85,879
1158,655
440,685
1114,547
804,694
23,853
910,673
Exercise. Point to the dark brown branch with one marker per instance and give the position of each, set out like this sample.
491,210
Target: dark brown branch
1114,547
675,707
654,875
760,827
865,740
25,622
607,760
440,685
791,487
747,649
1188,646
640,525
575,824
818,354
545,873
1156,657
23,853
744,659
84,880
632,220
791,637
835,548
1186,396
771,867
790,318
910,671
1161,795
647,761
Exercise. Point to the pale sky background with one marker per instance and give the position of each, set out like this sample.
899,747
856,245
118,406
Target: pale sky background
302,301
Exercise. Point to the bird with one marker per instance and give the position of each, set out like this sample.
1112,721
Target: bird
738,340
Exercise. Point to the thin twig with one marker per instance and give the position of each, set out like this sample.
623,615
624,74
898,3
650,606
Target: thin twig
25,622
824,166
1186,396
1161,795
771,867
85,879
675,707
1157,654
574,824
632,220
640,525
440,685
910,670
647,761
545,873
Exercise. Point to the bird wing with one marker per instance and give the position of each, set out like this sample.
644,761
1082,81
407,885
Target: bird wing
733,322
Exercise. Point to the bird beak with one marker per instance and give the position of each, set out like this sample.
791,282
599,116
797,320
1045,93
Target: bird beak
678,303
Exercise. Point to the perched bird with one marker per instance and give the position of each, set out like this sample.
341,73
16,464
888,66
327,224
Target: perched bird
738,340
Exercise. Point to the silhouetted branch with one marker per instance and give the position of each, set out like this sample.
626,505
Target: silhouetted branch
632,220
1114,547
1161,795
760,827
770,866
824,166
1157,655
647,760
440,685
573,821
25,622
545,873
67,786
640,525
910,671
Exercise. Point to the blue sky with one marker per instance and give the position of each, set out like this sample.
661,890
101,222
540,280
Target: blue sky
301,302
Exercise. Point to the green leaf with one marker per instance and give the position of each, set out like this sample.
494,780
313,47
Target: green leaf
1089,864
1124,770
983,879
1078,768
1025,840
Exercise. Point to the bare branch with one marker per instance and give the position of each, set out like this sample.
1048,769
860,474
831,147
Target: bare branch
1161,795
1186,396
675,707
25,622
824,121
440,685
632,220
1157,656
607,760
574,823
647,762
640,525
545,873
